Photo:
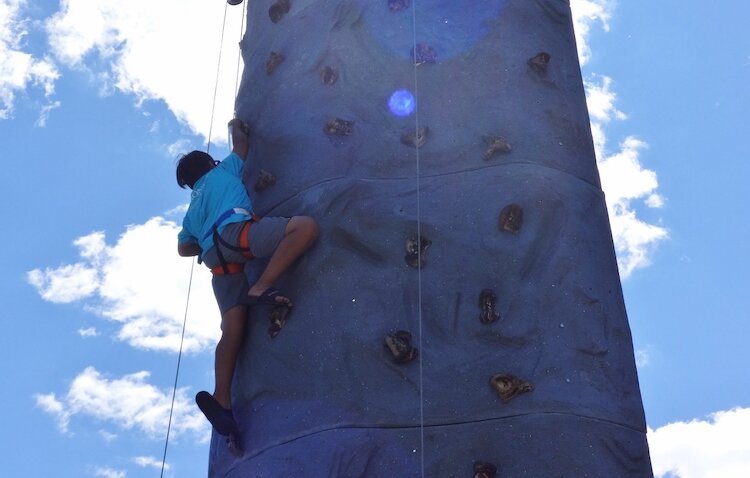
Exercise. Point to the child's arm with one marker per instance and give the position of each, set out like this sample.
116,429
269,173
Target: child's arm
240,138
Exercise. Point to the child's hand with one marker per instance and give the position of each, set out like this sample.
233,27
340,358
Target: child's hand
238,125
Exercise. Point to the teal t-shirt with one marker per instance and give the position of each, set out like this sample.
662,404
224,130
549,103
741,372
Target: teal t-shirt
216,192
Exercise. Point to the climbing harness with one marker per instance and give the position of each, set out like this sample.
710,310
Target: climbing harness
244,248
192,264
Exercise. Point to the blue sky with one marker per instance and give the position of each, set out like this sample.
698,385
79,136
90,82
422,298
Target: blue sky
97,99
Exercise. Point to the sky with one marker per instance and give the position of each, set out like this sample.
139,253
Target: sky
97,101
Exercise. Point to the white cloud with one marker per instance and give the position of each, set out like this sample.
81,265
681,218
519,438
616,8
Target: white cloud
601,100
716,447
44,114
642,358
66,283
626,183
144,461
108,437
138,51
128,402
105,472
178,147
50,404
18,68
586,13
141,283
88,332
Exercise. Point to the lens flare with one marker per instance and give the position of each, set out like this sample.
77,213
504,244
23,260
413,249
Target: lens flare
402,103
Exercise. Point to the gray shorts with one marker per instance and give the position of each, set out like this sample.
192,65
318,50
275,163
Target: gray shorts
263,237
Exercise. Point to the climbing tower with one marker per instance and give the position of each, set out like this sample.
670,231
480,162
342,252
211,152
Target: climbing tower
461,313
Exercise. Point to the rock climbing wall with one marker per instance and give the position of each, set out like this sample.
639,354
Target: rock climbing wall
462,312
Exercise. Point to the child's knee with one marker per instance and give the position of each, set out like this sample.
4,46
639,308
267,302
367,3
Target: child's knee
312,227
307,225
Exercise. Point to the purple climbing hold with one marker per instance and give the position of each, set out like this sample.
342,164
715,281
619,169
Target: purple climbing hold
423,53
398,5
277,11
399,344
539,63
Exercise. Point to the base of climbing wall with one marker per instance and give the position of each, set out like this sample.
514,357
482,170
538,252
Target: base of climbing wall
528,446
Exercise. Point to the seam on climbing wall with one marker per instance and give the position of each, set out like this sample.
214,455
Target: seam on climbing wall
314,432
311,187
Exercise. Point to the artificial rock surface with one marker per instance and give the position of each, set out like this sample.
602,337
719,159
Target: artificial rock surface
325,397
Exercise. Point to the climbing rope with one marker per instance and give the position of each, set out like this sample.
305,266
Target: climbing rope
177,374
419,242
216,81
192,263
239,57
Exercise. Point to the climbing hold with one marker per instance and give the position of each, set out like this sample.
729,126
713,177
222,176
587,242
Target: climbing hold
265,180
328,75
278,318
398,5
423,53
539,63
339,127
416,138
487,300
508,386
234,2
274,60
399,343
511,218
484,470
415,251
277,11
495,144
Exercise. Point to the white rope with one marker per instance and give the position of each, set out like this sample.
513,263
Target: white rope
192,263
419,239
177,373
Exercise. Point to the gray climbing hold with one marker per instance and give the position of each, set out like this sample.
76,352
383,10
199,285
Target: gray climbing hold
274,60
496,144
511,218
416,248
509,386
265,180
328,75
423,53
277,11
539,63
416,138
399,344
487,304
484,470
338,127
398,5
278,317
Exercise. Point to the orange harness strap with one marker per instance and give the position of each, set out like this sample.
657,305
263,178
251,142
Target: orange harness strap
237,267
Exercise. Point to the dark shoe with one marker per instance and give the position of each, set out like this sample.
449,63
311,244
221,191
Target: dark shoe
221,418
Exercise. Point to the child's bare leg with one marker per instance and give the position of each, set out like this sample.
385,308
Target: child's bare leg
299,235
232,333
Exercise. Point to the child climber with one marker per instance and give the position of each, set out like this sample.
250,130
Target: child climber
222,230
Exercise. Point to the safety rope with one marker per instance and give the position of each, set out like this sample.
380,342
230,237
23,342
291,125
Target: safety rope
192,263
419,240
177,374
239,58
216,82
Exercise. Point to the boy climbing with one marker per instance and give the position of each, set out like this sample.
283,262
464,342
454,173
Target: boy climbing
222,230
